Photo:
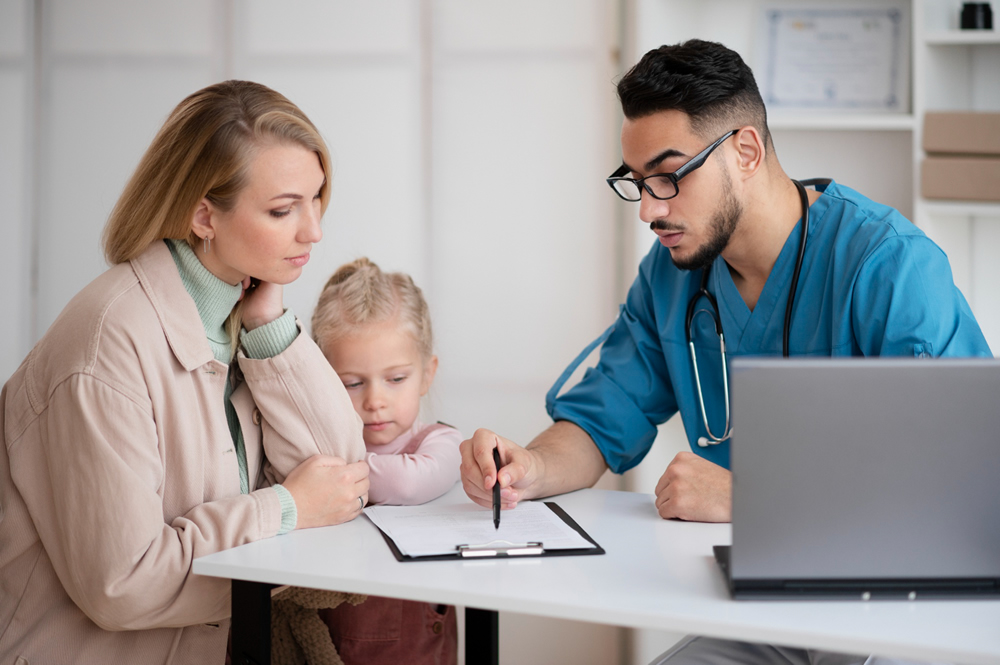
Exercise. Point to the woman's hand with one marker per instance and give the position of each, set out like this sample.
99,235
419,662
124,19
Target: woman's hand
326,490
263,303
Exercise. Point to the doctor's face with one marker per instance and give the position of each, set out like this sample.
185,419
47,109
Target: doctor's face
697,224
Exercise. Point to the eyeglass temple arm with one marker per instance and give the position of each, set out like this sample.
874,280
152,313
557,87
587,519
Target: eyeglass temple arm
622,170
700,158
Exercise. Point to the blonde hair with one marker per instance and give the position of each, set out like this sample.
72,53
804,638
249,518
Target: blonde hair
204,151
359,294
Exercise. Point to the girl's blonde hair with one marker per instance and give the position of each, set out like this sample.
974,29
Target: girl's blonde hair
359,293
204,150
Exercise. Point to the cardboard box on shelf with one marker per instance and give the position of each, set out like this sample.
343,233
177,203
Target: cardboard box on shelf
961,178
962,132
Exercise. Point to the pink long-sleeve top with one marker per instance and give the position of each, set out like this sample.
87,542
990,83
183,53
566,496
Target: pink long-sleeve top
402,477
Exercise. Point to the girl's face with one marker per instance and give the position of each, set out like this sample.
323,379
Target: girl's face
276,220
385,376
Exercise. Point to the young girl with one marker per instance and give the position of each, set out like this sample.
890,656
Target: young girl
375,330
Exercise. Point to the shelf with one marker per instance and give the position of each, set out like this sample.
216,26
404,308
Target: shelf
961,208
842,121
962,37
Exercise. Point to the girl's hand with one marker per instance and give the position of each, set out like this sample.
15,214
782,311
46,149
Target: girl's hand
263,303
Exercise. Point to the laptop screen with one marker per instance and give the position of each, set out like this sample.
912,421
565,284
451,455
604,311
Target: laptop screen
849,469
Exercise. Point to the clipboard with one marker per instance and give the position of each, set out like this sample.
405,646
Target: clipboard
503,549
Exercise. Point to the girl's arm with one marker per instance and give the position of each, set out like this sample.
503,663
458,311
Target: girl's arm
410,479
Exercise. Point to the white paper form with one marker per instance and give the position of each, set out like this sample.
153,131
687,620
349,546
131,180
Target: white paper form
430,530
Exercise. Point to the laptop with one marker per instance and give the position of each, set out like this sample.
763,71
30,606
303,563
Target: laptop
865,478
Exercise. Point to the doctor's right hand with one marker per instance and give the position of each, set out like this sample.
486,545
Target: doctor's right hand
519,470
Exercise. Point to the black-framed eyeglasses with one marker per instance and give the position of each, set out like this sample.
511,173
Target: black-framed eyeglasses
661,186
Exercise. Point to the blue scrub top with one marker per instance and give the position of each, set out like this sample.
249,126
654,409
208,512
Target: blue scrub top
871,284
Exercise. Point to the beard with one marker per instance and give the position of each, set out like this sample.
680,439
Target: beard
724,222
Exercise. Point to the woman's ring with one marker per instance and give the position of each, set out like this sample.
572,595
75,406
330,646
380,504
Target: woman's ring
362,503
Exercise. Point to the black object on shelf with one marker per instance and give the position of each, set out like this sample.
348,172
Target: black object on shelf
976,16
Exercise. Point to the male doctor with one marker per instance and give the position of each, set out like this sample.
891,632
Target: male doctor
698,159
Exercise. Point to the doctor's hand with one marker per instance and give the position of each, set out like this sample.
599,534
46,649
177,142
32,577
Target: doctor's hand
694,489
519,469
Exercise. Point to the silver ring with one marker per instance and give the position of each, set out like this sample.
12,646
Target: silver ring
362,503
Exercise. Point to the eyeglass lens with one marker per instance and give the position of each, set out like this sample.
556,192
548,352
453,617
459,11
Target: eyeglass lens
662,186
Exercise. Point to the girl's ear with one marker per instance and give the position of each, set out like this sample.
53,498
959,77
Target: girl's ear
430,369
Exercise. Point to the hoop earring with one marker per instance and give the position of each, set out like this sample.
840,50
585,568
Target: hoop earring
206,244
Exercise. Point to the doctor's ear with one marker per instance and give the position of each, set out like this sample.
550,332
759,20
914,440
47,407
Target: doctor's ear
751,150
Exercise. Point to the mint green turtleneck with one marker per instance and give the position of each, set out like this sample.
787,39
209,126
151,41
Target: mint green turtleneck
214,300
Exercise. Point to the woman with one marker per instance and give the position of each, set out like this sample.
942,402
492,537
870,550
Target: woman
174,409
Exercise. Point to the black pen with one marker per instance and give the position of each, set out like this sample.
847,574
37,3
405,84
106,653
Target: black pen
496,490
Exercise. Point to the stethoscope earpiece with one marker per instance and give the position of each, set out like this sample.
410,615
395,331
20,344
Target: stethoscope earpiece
703,442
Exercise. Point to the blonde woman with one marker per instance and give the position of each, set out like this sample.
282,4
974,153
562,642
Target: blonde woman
174,408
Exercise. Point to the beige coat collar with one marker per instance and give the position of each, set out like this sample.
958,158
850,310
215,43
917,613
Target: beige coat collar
160,280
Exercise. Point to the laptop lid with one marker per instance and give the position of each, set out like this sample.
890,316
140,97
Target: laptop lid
860,475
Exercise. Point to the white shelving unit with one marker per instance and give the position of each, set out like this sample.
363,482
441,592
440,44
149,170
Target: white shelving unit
958,70
830,122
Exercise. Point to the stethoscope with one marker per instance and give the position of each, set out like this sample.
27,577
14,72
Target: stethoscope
693,311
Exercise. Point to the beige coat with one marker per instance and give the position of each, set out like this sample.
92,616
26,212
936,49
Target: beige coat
118,470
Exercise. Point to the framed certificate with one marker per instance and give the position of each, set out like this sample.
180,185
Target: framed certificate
838,57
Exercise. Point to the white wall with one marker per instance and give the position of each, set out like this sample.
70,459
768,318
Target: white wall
15,179
470,142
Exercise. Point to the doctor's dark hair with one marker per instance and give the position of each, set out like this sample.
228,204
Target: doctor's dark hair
359,293
705,80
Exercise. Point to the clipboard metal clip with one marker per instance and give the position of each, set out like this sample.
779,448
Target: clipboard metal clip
500,548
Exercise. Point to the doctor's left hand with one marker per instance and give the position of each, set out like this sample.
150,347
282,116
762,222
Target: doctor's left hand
696,490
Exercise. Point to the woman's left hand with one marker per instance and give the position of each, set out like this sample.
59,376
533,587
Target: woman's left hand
263,303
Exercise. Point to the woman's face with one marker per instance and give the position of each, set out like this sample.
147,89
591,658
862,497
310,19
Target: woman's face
276,220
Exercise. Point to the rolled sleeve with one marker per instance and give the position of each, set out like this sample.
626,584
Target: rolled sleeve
620,402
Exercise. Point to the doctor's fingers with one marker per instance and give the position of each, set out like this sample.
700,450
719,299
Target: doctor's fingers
662,483
683,465
478,452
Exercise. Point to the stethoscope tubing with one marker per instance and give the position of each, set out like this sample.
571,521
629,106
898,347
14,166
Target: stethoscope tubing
703,292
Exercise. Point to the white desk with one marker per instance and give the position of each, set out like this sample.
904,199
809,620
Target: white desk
656,574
